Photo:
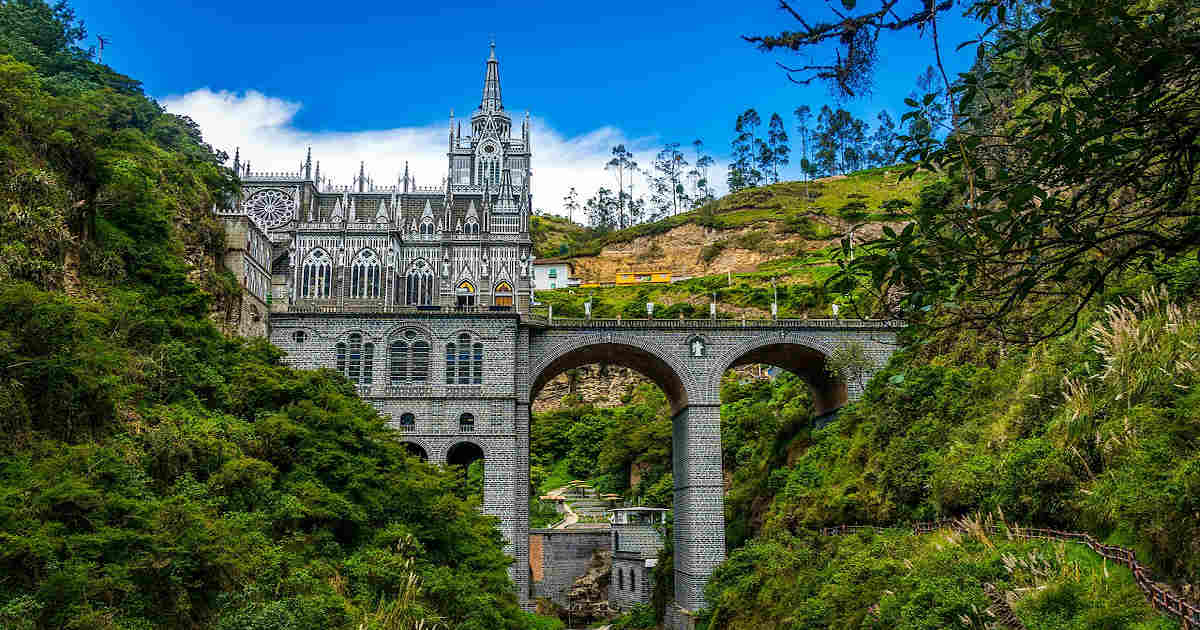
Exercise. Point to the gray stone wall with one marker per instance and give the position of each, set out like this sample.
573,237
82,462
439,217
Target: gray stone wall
631,583
565,554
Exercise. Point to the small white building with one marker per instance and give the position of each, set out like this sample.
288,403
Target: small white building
552,273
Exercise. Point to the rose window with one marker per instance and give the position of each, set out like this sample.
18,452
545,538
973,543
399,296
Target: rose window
271,208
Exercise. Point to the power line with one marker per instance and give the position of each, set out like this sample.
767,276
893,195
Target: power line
104,41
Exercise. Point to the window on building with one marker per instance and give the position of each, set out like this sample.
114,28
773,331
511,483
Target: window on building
466,423
426,227
620,579
408,422
465,294
471,227
364,275
408,359
553,285
503,294
419,286
464,361
299,336
356,359
553,273
633,580
316,275
489,171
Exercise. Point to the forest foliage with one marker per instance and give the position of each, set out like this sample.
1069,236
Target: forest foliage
156,473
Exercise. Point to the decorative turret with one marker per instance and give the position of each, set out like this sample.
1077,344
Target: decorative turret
308,165
237,161
382,215
362,175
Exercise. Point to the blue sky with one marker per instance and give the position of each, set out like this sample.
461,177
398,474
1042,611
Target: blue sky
376,82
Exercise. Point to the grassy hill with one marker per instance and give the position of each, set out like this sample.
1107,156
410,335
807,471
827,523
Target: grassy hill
735,248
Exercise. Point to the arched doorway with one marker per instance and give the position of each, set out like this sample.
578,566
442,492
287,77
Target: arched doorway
468,458
416,450
464,294
503,296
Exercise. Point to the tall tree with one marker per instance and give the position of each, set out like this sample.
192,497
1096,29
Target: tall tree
669,193
885,146
601,210
622,162
699,174
743,171
571,204
777,143
803,116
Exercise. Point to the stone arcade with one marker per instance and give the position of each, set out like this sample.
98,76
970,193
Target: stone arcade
421,296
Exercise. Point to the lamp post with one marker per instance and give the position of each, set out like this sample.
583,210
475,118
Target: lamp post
774,300
649,310
712,307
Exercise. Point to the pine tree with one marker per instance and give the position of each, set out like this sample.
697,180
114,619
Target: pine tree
699,174
571,203
669,193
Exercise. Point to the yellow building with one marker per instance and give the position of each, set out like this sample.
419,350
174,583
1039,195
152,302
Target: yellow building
644,277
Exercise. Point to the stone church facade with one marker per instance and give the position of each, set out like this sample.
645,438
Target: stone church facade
421,297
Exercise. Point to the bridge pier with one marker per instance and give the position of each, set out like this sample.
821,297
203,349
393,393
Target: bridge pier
699,501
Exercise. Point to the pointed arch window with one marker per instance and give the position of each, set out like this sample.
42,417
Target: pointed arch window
408,422
408,359
316,275
503,295
364,275
465,294
466,423
419,285
464,361
356,359
489,169
471,226
426,227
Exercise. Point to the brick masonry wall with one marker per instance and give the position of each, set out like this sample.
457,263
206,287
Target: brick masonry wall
562,556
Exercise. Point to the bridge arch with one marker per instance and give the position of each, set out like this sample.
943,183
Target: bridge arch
803,355
639,354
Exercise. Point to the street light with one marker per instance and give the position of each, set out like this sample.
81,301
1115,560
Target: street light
774,299
649,310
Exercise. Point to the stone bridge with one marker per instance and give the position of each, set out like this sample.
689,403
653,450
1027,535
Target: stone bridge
453,415
687,359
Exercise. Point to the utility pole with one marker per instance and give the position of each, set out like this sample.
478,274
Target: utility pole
104,41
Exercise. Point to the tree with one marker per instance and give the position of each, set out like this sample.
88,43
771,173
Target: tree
571,203
926,123
669,194
602,210
1086,175
622,162
777,144
746,150
885,146
699,174
803,119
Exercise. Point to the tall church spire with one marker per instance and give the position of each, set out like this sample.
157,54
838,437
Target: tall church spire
491,84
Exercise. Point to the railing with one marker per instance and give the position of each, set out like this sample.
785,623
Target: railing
395,309
1188,614
574,322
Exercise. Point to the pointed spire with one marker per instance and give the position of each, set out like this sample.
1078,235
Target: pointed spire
491,85
308,165
237,160
318,176
362,174
406,180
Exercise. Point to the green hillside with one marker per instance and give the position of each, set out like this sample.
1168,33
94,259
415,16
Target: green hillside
156,474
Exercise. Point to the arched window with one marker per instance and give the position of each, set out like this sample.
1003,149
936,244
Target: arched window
633,580
471,227
466,423
316,275
408,422
299,336
364,275
464,361
419,285
620,579
355,359
465,294
503,295
408,359
426,227
489,171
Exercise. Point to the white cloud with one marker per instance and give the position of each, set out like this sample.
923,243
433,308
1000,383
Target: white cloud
262,126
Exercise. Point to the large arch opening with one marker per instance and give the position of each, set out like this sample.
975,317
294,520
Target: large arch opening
828,392
638,359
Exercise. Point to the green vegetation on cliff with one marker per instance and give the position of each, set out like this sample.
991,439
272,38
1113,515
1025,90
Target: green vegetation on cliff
157,474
